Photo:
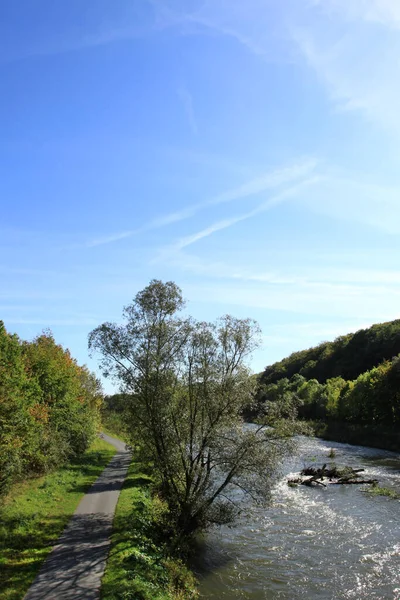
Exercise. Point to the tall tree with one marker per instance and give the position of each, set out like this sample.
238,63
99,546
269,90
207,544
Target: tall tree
188,386
17,398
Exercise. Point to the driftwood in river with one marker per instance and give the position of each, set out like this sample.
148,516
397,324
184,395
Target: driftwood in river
333,475
332,472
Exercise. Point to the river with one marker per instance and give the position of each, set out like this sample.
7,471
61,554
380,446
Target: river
312,543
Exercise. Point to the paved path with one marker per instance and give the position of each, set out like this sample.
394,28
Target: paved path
74,568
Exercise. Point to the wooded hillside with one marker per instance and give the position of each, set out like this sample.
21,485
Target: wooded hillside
349,388
348,356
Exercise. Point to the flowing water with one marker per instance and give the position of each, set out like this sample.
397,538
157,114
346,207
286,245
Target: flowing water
312,543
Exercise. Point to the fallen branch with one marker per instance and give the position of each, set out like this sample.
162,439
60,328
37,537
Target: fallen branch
333,475
312,480
354,481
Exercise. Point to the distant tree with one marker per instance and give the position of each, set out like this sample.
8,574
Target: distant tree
333,390
116,402
188,386
373,398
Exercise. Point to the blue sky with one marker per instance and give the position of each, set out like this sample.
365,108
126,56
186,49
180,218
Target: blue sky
248,151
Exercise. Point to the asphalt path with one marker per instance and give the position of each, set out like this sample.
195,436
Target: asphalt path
74,568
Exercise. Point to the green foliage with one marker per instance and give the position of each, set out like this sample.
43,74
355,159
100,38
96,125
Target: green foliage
373,398
347,357
376,490
141,565
17,396
369,404
115,416
35,513
354,380
49,406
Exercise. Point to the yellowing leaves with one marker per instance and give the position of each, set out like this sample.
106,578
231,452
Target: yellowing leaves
40,412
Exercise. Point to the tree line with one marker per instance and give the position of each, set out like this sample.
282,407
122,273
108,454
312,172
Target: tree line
49,406
371,399
367,405
348,356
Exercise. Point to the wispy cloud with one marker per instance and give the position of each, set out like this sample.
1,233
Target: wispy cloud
73,44
226,223
214,26
186,99
195,237
362,202
269,180
358,62
103,24
386,12
352,45
245,22
110,238
221,17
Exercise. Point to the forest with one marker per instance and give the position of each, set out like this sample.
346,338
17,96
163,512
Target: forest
348,356
49,407
349,387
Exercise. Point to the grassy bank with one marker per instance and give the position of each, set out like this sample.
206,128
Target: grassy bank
360,435
140,565
376,490
35,513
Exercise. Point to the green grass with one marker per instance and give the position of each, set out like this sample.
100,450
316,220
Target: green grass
376,490
118,436
36,512
139,566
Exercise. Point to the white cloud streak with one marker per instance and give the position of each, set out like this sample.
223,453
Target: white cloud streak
111,238
353,47
344,199
385,12
269,180
64,46
261,208
245,22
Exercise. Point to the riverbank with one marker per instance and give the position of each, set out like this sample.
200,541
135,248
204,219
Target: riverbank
141,563
359,435
35,513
